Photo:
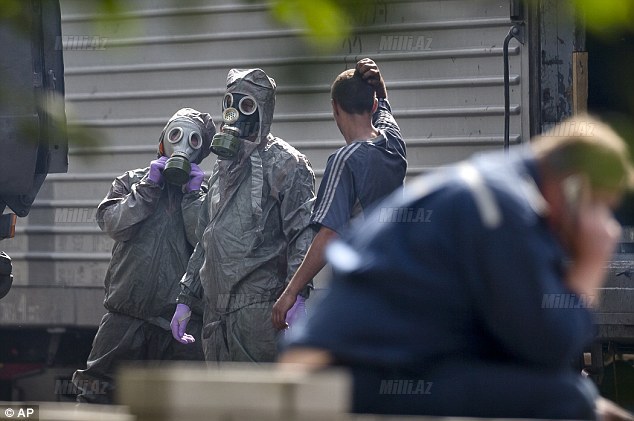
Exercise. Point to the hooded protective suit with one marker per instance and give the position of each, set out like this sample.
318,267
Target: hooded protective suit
153,226
255,232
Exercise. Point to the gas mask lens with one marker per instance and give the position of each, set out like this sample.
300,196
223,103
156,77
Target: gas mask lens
227,101
246,104
195,141
184,140
240,118
175,135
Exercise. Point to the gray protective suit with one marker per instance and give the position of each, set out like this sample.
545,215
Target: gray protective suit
255,233
154,231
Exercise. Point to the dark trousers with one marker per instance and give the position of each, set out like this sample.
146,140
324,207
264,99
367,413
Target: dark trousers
244,335
474,390
124,338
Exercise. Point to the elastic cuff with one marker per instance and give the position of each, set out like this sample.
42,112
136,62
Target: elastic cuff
187,191
185,299
305,293
146,180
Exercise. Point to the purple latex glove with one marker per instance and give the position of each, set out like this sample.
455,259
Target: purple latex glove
156,170
196,177
297,312
179,323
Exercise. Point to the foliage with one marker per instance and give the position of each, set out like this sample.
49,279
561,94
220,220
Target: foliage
607,17
324,23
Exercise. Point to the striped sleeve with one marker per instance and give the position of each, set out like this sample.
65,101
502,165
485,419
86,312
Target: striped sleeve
336,196
384,120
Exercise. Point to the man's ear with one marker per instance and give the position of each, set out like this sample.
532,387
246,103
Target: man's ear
335,108
375,105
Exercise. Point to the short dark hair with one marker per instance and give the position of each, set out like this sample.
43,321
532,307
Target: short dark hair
583,144
352,93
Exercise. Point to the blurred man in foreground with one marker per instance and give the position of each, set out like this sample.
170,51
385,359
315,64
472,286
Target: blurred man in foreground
441,303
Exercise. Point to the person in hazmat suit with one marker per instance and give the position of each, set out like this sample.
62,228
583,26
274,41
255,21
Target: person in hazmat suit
151,213
254,226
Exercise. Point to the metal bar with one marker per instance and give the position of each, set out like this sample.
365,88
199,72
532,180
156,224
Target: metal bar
516,32
287,61
487,110
180,93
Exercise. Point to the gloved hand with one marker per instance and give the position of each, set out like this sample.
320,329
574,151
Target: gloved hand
297,312
179,323
156,170
196,177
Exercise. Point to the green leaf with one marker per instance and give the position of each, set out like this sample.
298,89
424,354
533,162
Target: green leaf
324,23
607,17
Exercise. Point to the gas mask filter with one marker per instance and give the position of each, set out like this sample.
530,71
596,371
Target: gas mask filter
182,142
241,120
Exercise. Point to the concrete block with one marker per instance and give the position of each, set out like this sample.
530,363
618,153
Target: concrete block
233,392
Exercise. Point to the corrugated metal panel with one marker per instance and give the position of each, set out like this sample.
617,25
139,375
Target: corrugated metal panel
442,61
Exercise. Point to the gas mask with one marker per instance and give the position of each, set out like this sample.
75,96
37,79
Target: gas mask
182,142
241,120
